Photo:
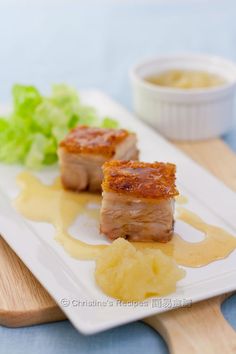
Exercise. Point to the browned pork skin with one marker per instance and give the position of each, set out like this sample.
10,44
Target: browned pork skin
83,152
138,200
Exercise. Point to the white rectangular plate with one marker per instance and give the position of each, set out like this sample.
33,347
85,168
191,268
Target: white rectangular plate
66,278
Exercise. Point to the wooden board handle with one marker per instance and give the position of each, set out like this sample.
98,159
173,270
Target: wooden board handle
199,329
202,328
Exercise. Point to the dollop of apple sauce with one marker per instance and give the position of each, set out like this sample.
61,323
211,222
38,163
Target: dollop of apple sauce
127,274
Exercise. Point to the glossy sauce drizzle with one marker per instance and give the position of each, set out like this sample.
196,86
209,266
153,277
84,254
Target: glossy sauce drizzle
52,204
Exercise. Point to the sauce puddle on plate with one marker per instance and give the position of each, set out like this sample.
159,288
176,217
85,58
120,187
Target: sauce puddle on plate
53,204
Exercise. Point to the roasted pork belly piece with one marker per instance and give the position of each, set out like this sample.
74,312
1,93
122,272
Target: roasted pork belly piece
84,150
138,200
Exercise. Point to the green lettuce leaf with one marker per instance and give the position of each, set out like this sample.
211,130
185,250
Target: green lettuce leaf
109,123
32,132
25,100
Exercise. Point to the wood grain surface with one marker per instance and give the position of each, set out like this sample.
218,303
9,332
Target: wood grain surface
198,329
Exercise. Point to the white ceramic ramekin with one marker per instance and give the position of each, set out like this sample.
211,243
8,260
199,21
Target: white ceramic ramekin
185,114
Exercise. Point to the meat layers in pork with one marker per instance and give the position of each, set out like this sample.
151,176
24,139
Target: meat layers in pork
138,200
84,150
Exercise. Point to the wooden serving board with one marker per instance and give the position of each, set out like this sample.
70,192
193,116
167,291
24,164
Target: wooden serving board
197,329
